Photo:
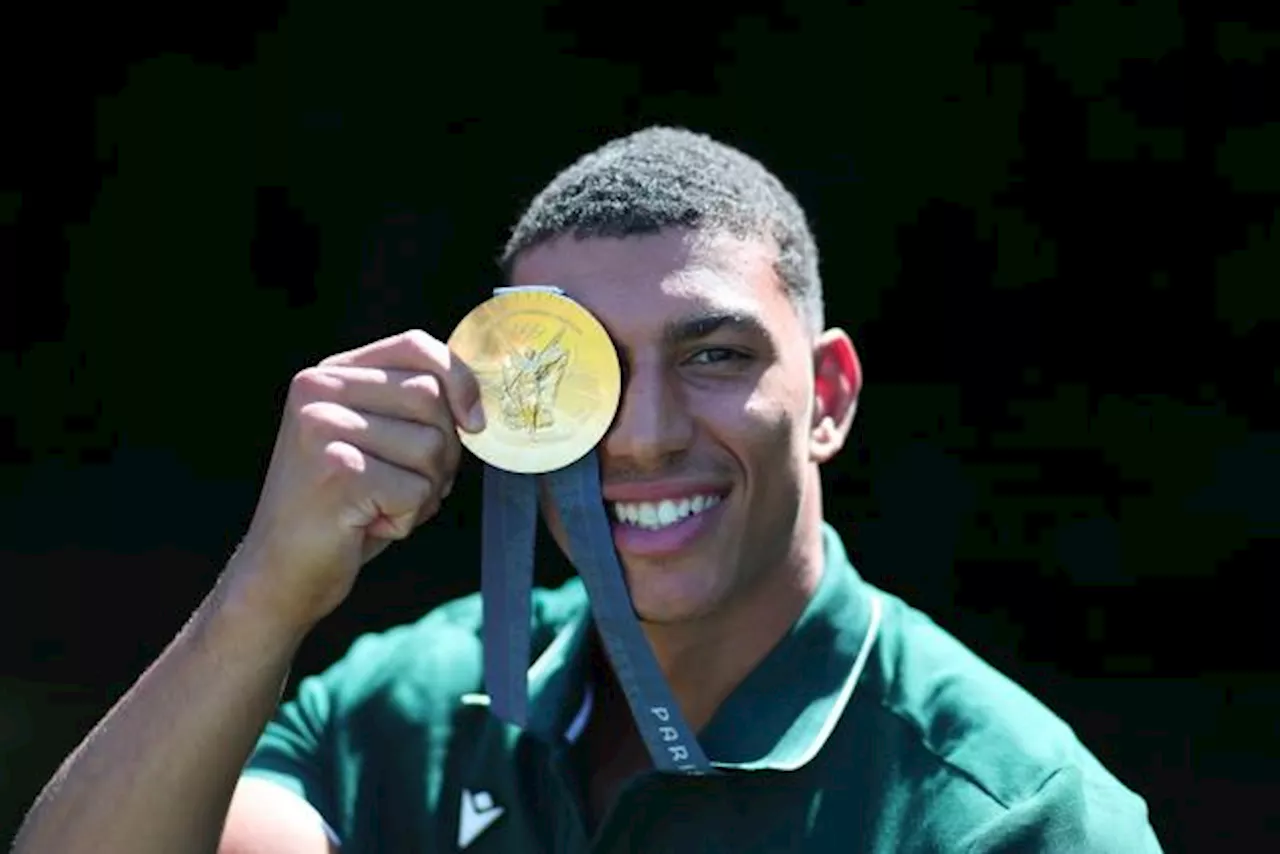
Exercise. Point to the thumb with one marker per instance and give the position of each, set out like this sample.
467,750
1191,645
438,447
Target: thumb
382,532
395,527
464,395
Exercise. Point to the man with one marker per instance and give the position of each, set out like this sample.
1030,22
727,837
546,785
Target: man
838,718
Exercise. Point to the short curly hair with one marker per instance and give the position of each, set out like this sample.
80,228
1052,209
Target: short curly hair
663,177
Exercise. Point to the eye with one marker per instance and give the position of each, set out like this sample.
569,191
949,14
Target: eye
716,355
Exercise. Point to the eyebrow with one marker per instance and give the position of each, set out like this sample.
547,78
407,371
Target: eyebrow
697,326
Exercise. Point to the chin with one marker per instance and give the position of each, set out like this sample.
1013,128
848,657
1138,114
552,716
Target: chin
674,599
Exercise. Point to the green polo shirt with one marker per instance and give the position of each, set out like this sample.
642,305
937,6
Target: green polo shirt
867,729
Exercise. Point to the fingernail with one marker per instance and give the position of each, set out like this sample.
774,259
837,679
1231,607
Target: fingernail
475,418
448,487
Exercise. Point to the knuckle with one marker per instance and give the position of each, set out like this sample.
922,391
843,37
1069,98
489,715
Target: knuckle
343,460
319,418
426,395
312,383
423,384
422,342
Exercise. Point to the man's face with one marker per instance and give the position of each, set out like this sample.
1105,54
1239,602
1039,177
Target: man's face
711,452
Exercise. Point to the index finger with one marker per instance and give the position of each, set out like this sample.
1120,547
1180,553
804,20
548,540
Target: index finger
415,350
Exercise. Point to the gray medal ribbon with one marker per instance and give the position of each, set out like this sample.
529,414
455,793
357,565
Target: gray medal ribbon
506,579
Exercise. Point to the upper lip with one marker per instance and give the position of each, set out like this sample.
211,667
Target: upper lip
630,493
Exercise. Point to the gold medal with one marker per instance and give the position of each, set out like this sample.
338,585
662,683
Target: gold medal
549,379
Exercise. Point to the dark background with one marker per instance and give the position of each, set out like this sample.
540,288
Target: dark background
1052,230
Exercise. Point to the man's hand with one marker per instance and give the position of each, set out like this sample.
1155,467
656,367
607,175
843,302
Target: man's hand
367,451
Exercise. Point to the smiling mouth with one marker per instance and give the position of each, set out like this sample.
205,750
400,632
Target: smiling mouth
656,515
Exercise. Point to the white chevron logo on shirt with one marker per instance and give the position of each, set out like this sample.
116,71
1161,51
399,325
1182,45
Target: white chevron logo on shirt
479,812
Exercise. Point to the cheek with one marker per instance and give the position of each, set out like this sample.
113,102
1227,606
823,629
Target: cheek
770,424
781,401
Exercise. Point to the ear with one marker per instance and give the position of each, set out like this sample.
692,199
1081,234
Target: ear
837,376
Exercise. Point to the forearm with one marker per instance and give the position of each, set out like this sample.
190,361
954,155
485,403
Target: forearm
157,773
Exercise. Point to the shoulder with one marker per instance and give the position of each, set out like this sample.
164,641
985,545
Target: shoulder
381,725
1016,774
439,657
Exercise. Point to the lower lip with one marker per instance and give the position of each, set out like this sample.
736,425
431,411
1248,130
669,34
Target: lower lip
642,542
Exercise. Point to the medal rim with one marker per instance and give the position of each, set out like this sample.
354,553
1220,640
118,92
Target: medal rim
507,456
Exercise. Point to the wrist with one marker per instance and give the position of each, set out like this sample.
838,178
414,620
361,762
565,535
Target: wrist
243,609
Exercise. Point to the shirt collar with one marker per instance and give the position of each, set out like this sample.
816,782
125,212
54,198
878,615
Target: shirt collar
559,693
782,714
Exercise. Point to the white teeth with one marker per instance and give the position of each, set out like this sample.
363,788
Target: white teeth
651,515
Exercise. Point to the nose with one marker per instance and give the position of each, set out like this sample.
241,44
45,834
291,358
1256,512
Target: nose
653,425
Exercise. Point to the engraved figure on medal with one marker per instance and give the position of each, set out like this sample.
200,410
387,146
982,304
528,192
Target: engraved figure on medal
531,379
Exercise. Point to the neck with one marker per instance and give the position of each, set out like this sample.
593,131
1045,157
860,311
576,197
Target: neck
706,659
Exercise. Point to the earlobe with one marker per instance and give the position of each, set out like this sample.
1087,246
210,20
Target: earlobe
837,383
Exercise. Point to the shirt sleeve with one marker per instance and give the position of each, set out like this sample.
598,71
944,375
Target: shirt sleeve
295,750
1068,814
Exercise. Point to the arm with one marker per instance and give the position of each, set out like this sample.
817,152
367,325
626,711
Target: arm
1068,814
158,772
267,819
366,451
